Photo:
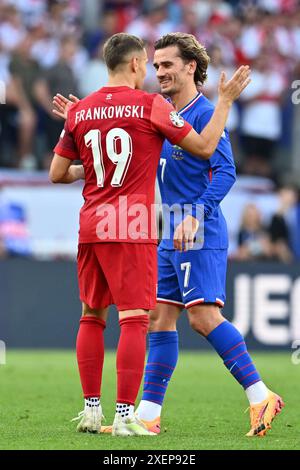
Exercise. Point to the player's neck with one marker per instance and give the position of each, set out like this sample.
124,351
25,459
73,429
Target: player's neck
121,80
184,97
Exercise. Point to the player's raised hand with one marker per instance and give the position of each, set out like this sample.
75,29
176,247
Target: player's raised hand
230,90
61,105
185,233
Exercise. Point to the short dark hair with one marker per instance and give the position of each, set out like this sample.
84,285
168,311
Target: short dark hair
117,48
189,49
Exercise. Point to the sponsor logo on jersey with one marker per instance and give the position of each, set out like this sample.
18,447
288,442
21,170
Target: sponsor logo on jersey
109,96
176,119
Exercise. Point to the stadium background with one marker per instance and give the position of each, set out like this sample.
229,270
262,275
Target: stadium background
55,46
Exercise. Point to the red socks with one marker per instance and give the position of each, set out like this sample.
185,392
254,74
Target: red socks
131,357
90,354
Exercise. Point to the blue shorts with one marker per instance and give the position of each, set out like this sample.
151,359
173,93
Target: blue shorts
192,277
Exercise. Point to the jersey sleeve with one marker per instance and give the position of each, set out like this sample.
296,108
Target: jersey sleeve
167,121
223,172
66,146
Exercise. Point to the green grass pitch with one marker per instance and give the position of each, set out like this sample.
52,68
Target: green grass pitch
204,408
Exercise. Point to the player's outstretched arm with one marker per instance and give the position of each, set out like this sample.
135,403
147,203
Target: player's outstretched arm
62,171
205,144
61,105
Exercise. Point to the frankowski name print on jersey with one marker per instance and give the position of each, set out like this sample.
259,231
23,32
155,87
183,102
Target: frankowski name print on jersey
110,112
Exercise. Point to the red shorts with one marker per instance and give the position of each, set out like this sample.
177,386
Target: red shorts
124,274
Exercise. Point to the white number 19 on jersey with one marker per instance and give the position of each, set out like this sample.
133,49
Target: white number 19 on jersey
115,137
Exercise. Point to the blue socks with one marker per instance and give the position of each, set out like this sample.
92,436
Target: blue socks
230,345
162,360
163,356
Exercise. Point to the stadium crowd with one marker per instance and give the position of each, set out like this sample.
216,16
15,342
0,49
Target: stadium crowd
50,46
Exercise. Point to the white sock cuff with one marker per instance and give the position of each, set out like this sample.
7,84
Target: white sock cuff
148,410
124,410
257,393
92,402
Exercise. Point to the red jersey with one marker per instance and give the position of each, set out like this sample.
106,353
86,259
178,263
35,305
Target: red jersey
118,133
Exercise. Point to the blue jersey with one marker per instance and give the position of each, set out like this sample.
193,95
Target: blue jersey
187,180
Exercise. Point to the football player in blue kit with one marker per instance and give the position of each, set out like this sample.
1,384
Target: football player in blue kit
194,277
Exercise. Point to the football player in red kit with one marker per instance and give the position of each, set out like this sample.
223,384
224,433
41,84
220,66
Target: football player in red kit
118,133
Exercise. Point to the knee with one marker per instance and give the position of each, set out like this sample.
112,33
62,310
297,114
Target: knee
197,323
158,324
91,312
205,319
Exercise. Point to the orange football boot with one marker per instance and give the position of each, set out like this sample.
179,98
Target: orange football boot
262,414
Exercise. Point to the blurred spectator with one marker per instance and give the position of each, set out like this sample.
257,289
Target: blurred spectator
94,75
278,6
190,21
151,83
31,10
279,227
261,117
45,49
24,73
62,19
124,10
224,32
153,23
210,90
14,236
253,239
58,79
256,30
12,29
108,25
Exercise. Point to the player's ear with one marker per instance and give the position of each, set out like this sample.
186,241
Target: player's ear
192,66
135,64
